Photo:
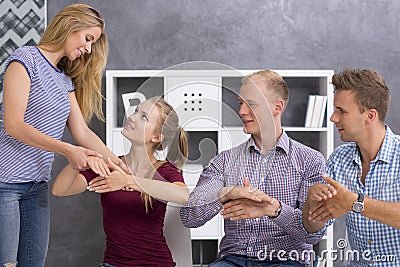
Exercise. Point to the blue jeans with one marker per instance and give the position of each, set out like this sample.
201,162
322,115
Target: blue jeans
105,265
242,261
24,223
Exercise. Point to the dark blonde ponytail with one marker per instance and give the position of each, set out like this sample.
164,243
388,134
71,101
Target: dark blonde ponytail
178,149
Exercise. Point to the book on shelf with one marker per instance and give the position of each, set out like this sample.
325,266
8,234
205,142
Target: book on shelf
322,111
315,111
310,110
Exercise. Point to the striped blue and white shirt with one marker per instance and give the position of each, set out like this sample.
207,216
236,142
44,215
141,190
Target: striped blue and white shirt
47,110
285,175
379,243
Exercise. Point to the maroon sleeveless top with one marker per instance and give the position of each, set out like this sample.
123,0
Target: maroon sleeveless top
134,238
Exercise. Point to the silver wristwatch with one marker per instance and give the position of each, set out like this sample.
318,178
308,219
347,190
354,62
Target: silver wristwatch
358,205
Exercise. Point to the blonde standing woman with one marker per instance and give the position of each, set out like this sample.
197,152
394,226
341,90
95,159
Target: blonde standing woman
47,87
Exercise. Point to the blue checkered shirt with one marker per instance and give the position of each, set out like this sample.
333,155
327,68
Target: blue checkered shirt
286,176
383,183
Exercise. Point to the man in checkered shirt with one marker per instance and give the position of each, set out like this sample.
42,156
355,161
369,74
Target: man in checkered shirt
365,172
274,233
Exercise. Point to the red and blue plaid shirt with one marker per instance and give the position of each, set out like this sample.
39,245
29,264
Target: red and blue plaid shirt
285,175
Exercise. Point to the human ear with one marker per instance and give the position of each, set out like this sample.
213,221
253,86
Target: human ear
372,114
278,108
371,117
157,138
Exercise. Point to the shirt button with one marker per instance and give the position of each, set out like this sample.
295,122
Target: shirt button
371,261
369,241
367,219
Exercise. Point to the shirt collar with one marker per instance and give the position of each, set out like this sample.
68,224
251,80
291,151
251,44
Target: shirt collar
388,146
386,151
283,143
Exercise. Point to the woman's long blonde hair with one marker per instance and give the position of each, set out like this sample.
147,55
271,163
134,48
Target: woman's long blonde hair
85,72
174,139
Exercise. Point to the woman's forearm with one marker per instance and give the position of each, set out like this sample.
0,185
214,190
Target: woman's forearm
166,191
68,182
30,136
91,141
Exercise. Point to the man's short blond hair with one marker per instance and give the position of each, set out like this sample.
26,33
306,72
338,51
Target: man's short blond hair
272,81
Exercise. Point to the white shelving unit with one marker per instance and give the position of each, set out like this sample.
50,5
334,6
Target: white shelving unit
206,103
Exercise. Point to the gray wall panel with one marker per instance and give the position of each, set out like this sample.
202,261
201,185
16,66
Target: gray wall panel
285,34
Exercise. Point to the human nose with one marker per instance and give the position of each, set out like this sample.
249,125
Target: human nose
333,117
244,109
131,118
88,48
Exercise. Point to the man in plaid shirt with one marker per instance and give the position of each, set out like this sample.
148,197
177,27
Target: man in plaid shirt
274,233
365,172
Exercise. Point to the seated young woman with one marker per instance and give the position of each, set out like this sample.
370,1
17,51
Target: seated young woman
134,204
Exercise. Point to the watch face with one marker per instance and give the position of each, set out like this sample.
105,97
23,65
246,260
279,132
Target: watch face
358,207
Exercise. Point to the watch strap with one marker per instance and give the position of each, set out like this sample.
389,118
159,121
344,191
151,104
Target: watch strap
358,205
277,212
360,198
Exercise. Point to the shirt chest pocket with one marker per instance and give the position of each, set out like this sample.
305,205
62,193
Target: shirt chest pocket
286,188
390,189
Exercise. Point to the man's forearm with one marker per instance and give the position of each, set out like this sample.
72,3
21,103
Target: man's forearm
381,211
309,225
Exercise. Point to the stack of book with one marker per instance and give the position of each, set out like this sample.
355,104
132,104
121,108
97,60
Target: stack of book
315,111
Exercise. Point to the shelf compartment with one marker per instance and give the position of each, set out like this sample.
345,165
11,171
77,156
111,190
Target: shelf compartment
148,86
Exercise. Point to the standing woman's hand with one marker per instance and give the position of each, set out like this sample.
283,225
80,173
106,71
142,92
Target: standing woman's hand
78,156
98,165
